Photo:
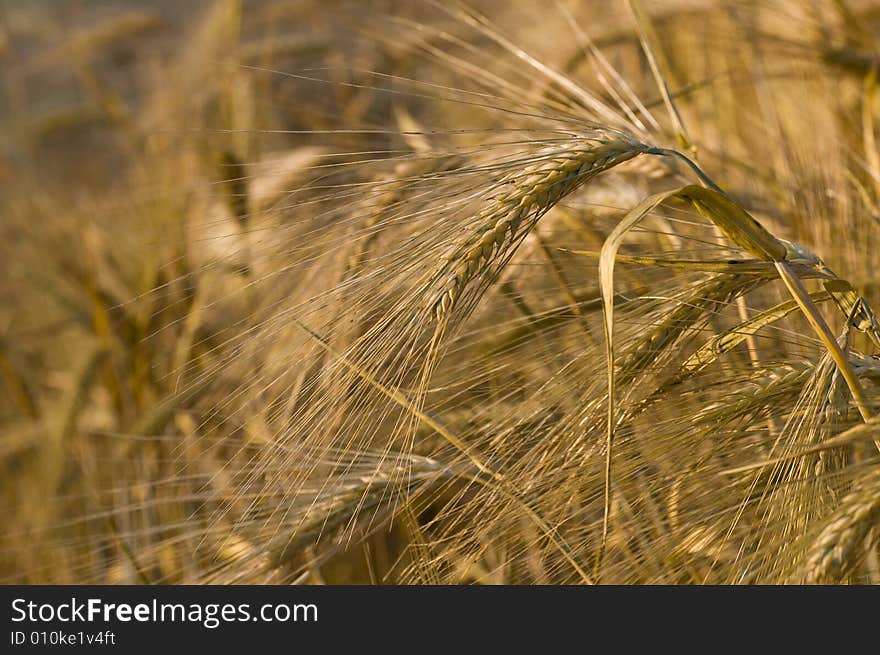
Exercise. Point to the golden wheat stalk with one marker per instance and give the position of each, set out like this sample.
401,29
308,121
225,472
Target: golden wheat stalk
523,198
835,552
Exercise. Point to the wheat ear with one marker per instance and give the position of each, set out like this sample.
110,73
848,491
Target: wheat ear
833,554
526,196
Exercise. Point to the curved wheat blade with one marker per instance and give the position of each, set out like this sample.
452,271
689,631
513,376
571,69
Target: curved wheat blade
606,286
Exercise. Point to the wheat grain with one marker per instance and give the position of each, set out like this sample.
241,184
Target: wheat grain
524,198
833,554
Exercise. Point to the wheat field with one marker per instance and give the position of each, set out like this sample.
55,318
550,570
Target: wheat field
405,292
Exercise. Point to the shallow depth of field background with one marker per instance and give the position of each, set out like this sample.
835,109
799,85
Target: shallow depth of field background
175,184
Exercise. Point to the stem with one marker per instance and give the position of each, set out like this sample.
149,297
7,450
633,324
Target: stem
802,297
667,152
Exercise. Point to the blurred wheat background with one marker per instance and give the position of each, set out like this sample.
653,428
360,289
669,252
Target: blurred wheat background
399,292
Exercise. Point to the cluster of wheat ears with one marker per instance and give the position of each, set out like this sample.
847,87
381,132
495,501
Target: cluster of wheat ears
452,295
